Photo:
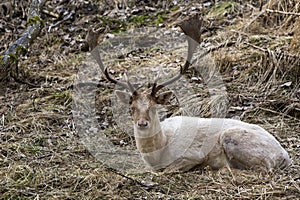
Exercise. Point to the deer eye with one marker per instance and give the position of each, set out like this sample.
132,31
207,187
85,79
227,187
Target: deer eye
132,110
148,111
152,109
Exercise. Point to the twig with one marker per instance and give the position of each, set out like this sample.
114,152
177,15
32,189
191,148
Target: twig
18,80
272,52
147,186
253,19
282,12
214,48
267,110
50,13
66,18
88,84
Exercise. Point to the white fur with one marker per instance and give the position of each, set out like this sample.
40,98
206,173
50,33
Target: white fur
218,143
180,143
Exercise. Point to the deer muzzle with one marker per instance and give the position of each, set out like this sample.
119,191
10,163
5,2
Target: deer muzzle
142,123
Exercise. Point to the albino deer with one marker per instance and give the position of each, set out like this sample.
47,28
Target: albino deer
181,143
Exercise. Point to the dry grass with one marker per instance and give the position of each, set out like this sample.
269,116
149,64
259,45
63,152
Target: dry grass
41,154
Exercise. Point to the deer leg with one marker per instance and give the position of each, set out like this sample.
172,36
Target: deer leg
181,165
237,152
249,149
229,169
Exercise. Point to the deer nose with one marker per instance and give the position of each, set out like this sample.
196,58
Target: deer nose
142,123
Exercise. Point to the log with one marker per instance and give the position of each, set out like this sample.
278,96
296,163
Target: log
21,45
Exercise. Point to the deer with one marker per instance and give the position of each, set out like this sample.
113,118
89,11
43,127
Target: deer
181,143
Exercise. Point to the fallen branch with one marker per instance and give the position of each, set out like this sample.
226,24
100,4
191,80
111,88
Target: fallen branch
282,12
268,11
267,50
145,185
66,18
51,14
253,19
20,46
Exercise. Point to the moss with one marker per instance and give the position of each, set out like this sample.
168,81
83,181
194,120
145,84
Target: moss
160,19
110,131
22,50
142,20
115,25
13,57
219,10
31,149
139,20
175,8
34,20
65,95
58,101
1,59
133,21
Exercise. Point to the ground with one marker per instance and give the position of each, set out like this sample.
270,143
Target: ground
42,155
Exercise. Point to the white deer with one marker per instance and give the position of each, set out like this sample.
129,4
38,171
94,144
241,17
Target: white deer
181,143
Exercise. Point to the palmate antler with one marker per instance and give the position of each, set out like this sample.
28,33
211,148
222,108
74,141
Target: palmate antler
191,28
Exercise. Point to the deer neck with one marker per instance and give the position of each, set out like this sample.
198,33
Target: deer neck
150,139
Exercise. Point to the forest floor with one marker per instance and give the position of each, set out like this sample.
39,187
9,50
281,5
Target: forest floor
42,152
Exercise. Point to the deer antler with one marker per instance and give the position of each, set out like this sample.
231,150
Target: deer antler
191,28
126,85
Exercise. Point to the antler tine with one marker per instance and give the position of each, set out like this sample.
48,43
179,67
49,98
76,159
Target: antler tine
191,28
156,87
126,85
155,81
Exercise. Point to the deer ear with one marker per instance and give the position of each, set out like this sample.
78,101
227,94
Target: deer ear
124,97
164,98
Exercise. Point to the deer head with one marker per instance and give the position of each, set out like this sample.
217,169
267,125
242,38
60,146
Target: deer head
143,104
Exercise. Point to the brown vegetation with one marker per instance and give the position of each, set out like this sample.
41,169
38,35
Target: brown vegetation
41,154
